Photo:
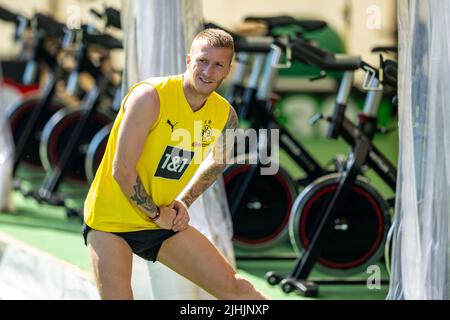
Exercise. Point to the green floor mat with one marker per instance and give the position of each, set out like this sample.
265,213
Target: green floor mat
48,228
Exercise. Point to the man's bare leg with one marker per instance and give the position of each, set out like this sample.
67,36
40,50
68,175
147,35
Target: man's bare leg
193,256
111,259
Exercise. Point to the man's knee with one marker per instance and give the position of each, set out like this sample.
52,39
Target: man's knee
238,288
242,285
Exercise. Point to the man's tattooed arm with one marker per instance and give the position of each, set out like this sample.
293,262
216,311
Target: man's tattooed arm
215,163
140,198
201,181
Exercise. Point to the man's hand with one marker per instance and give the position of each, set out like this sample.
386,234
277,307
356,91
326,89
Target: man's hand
166,218
181,220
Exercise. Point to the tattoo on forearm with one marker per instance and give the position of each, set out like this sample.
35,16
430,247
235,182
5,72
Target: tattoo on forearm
203,182
141,198
220,154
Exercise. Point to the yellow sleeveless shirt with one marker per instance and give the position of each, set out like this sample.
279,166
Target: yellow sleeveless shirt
175,146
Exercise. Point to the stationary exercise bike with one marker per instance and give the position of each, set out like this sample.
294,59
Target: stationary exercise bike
260,204
28,117
11,83
97,145
61,126
67,134
340,221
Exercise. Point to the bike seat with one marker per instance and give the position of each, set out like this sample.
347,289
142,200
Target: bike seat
104,40
385,49
50,26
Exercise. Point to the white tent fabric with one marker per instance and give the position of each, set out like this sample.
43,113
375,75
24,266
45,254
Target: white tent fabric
6,156
158,36
421,248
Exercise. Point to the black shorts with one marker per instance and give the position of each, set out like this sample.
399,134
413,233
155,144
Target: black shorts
144,243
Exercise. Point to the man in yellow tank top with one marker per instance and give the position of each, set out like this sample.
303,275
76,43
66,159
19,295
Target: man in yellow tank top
151,174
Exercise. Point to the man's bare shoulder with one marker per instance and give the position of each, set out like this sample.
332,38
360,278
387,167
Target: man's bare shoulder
144,95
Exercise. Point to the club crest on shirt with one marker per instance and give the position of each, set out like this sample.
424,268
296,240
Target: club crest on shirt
206,133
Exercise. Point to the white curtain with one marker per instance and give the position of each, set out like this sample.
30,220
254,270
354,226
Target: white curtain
421,248
158,34
6,156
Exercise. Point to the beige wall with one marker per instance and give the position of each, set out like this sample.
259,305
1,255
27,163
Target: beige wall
362,24
354,20
62,10
6,29
365,32
232,12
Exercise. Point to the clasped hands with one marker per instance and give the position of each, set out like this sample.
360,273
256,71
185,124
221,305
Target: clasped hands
174,217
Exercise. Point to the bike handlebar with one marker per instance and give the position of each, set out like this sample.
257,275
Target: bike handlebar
306,52
281,21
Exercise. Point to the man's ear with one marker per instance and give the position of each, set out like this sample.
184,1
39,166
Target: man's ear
188,59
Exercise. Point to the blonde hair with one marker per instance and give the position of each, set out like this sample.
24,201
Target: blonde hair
216,38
